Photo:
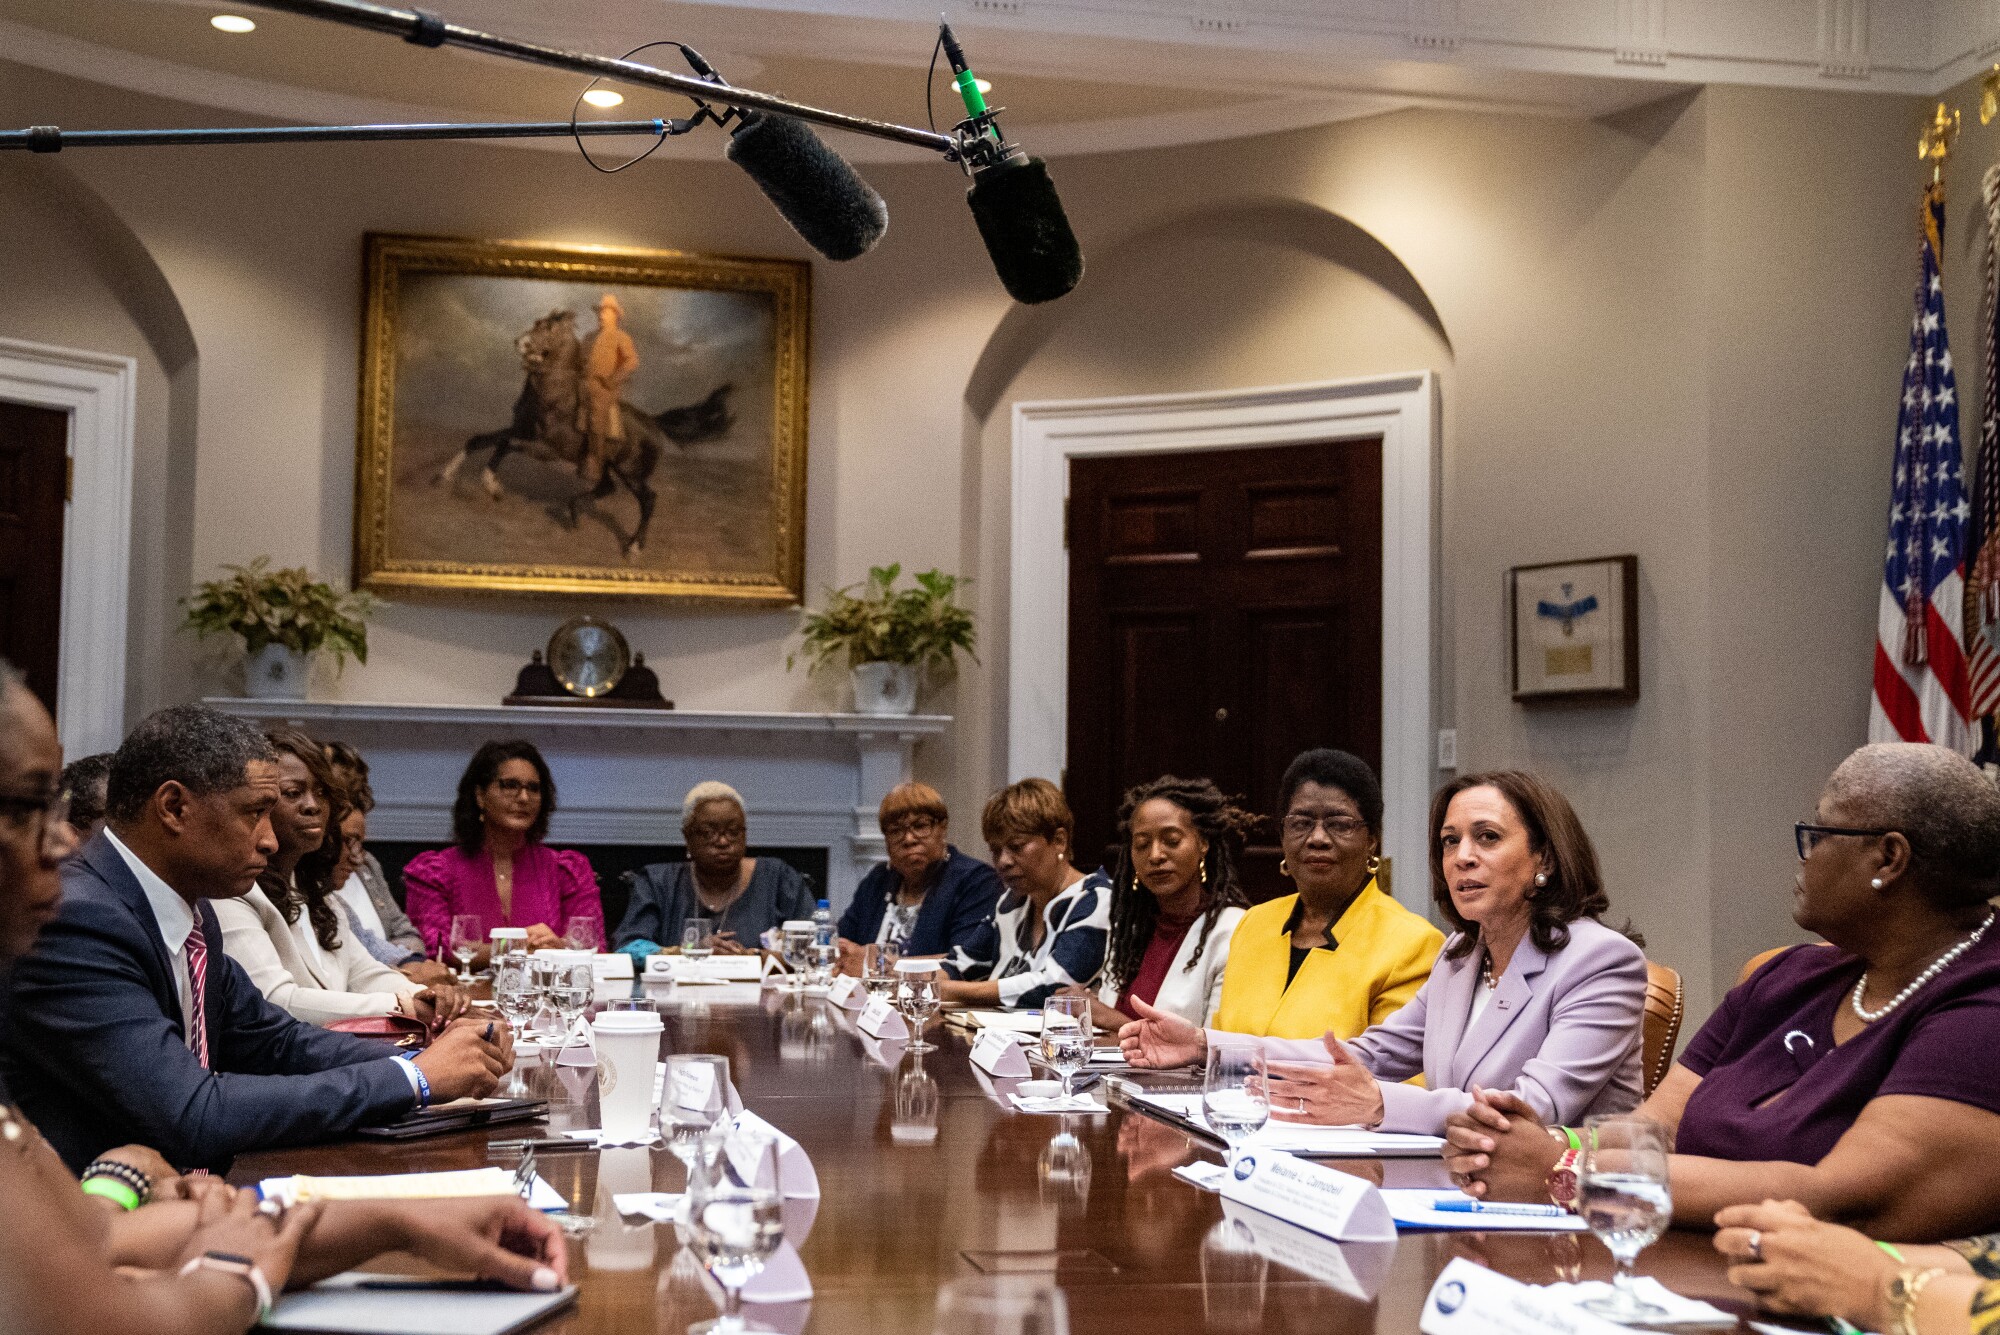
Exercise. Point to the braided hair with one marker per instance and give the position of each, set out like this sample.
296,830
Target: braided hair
1135,911
311,888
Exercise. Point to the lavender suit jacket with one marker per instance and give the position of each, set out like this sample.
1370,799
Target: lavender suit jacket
1562,1030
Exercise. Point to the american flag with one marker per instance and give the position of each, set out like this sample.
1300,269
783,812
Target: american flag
1920,673
1982,590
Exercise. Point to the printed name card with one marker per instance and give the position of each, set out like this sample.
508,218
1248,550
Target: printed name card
996,1053
1321,1200
846,993
694,1088
1356,1269
879,1020
1469,1299
748,1135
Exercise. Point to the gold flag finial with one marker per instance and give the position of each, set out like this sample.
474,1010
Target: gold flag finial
1935,144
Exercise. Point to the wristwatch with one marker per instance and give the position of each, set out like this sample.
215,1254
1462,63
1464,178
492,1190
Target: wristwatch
228,1263
1562,1180
1903,1292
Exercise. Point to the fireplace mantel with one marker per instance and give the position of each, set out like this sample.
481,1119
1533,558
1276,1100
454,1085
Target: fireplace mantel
808,779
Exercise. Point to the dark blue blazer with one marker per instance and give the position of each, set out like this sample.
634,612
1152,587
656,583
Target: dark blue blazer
958,904
93,1048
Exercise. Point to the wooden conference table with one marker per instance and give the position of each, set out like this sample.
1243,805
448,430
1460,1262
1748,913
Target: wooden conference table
1132,1247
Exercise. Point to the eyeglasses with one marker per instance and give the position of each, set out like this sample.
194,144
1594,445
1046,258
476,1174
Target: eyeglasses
913,827
1301,826
1808,835
703,831
56,838
517,787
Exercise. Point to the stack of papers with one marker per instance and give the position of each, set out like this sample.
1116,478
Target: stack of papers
1075,1103
1322,1142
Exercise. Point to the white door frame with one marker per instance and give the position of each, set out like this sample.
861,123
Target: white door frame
1401,409
99,392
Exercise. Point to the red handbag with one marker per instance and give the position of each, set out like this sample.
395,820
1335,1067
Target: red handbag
398,1031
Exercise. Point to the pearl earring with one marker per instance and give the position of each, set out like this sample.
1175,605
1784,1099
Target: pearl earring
1541,878
1876,883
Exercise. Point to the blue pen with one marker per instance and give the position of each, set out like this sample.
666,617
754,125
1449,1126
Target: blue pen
1465,1205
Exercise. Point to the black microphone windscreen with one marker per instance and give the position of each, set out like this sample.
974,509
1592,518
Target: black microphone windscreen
836,212
1026,232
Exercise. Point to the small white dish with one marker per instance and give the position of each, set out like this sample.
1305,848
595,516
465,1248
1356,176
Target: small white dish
1039,1089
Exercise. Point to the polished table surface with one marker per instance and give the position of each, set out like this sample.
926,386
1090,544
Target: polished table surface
1099,1210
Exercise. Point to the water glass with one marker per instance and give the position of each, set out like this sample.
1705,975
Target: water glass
584,932
694,1099
1622,1193
733,1231
798,939
1066,1034
575,986
468,935
822,959
697,940
878,972
542,982
1235,1095
915,1117
514,997
919,996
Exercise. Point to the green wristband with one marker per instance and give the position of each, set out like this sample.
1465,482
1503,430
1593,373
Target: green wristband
1892,1253
111,1189
1569,1134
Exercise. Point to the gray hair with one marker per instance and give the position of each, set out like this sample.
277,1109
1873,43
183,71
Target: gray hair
1941,803
710,790
204,750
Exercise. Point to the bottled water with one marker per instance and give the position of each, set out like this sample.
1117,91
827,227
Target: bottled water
822,921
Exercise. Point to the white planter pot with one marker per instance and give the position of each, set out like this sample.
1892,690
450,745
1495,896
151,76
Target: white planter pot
885,688
276,673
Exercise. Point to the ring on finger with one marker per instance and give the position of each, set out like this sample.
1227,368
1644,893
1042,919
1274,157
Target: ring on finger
273,1210
1757,1245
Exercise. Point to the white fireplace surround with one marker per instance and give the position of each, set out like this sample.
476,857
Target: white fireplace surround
809,780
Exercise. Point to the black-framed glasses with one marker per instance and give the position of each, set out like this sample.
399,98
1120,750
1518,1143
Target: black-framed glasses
1337,826
57,839
516,787
920,827
704,831
1807,835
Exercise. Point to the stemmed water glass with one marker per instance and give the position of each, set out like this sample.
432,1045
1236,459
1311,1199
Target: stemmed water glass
1235,1095
1622,1193
584,932
798,941
1066,1034
878,971
697,941
694,1099
574,987
733,1230
918,997
468,935
514,996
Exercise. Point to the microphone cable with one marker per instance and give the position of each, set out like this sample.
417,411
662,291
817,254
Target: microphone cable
668,127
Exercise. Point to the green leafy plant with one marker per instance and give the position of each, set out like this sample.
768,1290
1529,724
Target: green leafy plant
287,607
875,622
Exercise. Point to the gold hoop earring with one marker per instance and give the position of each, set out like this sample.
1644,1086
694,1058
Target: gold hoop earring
1204,872
1284,867
1374,864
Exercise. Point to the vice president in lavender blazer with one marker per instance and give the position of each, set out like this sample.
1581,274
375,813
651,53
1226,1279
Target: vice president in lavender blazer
1531,994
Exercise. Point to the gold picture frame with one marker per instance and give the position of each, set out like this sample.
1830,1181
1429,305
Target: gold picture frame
704,407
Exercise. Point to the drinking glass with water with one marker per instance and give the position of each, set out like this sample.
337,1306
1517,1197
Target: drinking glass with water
514,998
574,988
733,1230
697,941
878,972
1622,1194
1066,1035
1235,1095
694,1100
468,935
918,997
798,939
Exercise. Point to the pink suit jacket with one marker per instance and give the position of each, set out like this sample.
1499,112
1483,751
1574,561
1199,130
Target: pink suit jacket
1562,1030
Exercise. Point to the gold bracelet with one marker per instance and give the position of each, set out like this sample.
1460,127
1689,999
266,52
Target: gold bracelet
1904,1290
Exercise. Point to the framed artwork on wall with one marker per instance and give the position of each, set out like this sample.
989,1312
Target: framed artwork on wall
542,419
1575,630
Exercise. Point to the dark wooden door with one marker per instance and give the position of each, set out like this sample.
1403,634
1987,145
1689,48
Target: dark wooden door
34,481
1225,613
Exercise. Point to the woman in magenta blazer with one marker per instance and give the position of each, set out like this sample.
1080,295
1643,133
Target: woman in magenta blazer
500,869
1531,994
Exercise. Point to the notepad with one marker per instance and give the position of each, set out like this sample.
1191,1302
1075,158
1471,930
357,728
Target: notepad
358,1303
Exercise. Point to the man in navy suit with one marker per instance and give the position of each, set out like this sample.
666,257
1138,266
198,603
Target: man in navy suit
128,1023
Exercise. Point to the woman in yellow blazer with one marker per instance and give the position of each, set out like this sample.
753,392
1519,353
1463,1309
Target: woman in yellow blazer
1340,954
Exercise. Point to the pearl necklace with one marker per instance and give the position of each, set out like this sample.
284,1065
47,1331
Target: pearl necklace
1937,967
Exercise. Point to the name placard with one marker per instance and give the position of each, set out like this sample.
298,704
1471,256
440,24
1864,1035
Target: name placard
748,1135
997,1053
694,1087
1321,1200
846,993
1469,1299
880,1020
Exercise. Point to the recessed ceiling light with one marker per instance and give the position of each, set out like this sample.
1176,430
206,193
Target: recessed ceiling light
603,97
232,23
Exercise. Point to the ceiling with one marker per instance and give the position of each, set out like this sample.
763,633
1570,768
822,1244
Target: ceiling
1075,75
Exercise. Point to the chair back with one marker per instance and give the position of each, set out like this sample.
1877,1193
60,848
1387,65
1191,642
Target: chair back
1662,1024
1760,959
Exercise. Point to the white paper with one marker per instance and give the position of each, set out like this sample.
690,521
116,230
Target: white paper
1324,1142
846,993
662,1207
748,1134
714,969
1679,1311
409,1186
1469,1299
694,1087
1415,1208
1075,1103
880,1020
1108,1057
595,1136
998,1053
1203,1175
1322,1200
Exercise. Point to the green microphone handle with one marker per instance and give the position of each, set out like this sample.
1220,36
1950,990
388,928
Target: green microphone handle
968,89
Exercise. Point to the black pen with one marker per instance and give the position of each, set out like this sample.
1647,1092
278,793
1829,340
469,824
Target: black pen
551,1143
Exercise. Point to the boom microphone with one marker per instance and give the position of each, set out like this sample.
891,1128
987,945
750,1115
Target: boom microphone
1013,201
831,208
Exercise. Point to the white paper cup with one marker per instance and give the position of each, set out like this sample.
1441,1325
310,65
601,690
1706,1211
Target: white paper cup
628,1053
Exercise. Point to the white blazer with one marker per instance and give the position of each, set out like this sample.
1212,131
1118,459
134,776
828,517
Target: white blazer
1192,995
293,971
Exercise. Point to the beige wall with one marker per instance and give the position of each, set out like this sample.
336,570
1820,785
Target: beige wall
1677,334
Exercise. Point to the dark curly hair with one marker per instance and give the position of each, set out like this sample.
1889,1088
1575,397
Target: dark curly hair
1576,886
1134,909
468,831
311,887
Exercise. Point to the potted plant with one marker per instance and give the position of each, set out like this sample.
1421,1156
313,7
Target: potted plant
284,618
889,636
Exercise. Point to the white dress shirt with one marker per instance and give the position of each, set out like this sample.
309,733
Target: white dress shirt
175,920
355,896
